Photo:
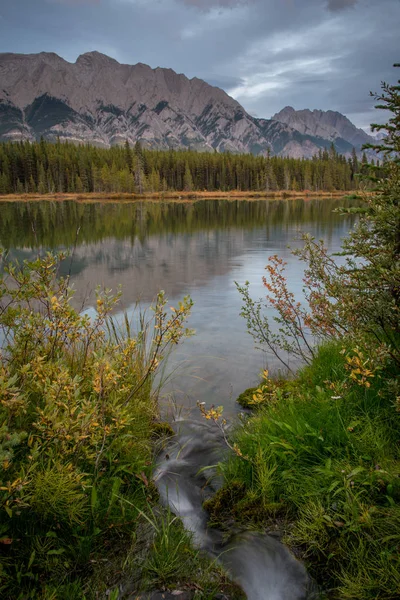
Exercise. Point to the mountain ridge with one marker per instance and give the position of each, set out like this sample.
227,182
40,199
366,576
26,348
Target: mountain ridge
101,101
328,124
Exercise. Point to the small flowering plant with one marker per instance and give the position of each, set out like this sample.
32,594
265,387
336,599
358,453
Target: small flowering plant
266,393
359,369
215,415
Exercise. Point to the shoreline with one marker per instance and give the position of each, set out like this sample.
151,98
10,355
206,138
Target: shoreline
185,196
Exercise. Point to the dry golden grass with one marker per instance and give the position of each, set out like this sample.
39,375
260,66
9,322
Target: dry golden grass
185,196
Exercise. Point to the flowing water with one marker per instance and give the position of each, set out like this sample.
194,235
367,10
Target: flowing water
201,249
259,563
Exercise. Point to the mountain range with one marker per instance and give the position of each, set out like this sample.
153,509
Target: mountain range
100,101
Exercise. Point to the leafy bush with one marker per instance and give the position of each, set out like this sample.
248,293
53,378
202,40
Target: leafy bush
76,424
361,296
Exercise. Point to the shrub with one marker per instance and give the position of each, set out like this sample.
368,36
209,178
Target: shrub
358,298
76,423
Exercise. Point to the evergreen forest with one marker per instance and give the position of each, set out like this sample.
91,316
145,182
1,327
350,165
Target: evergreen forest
47,168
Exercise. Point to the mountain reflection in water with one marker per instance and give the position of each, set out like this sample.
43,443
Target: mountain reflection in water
198,248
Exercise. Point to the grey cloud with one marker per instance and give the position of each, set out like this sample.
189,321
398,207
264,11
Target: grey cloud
336,5
223,81
207,4
74,2
327,63
267,54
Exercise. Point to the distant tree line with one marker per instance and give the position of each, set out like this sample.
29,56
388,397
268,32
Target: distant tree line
46,168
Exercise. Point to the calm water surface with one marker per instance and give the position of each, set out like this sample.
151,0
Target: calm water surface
198,248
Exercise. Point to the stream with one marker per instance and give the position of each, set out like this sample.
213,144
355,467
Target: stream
259,563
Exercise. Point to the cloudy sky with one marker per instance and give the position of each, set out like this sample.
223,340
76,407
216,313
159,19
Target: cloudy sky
267,54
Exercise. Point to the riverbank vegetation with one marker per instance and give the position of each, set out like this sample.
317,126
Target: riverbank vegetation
183,197
78,435
320,462
44,168
320,459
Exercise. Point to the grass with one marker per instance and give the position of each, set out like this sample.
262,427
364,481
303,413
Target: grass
194,195
173,561
322,461
160,556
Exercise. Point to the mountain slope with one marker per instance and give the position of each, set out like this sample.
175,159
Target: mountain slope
328,124
100,101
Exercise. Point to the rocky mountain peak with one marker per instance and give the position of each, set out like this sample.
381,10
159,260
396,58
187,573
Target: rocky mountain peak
288,110
100,101
329,124
95,60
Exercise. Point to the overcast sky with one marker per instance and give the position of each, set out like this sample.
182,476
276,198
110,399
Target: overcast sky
267,54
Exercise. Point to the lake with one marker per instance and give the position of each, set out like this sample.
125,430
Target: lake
198,248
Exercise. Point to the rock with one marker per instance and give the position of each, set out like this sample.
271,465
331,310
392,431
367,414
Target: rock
102,102
330,125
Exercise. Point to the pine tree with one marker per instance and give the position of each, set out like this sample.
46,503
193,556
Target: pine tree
42,186
188,180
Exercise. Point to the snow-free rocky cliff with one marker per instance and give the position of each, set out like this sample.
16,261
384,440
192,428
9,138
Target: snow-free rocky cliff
329,124
100,101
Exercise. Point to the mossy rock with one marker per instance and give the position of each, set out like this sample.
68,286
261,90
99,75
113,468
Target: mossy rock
229,590
162,429
221,506
234,503
246,398
252,510
280,386
153,494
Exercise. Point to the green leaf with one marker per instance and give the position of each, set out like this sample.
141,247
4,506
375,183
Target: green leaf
56,552
93,500
333,486
114,492
355,472
32,558
51,534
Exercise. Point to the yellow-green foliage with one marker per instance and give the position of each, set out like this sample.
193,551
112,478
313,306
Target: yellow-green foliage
76,425
245,399
58,492
268,391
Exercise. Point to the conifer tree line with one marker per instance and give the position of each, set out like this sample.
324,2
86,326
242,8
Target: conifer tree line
46,168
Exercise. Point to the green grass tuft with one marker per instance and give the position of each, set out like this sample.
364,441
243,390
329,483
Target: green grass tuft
323,460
